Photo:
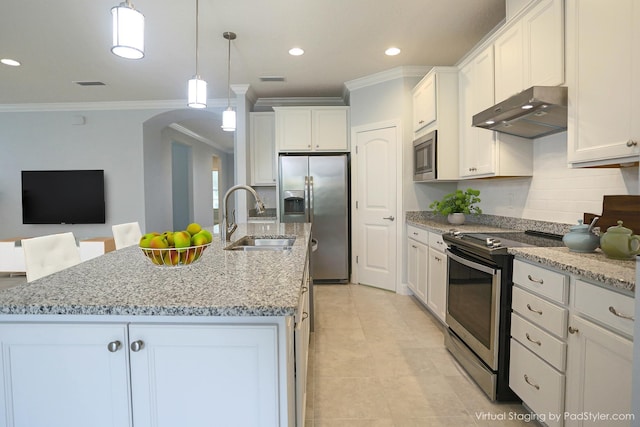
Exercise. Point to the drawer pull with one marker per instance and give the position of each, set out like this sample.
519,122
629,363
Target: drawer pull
533,279
529,338
573,330
415,234
536,386
534,310
615,312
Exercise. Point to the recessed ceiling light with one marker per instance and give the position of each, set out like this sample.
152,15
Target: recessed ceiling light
296,51
12,62
392,51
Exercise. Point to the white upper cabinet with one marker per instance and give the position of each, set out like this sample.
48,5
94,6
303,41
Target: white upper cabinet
263,146
603,65
424,102
531,51
312,129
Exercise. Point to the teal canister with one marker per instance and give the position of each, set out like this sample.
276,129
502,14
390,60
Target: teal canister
619,242
581,239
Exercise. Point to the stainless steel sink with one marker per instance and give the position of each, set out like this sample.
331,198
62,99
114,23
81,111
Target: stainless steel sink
254,243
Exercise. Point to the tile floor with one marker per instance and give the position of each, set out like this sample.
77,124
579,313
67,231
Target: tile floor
377,359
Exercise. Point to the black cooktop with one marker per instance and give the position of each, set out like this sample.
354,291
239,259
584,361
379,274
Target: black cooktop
499,242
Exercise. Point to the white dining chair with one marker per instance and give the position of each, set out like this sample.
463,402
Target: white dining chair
128,234
49,254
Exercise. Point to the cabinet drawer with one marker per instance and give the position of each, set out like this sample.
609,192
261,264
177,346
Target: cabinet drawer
602,304
539,385
418,234
542,281
436,242
540,312
548,347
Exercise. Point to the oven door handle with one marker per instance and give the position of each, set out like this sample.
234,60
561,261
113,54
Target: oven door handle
471,264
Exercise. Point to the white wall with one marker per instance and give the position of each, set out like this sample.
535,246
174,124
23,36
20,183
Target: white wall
135,171
555,193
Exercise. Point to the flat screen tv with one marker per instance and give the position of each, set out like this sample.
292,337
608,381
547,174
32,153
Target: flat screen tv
63,197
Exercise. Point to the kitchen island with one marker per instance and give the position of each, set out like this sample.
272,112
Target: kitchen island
118,341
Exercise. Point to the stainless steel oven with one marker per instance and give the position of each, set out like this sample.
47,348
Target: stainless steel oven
479,303
424,157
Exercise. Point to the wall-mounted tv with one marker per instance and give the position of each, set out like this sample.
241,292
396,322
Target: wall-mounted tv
63,197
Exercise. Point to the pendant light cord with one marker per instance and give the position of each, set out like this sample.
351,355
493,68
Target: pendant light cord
229,75
197,20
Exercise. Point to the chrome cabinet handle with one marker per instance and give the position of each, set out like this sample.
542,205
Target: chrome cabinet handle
114,346
137,345
414,246
615,312
573,330
390,218
437,259
529,338
305,315
533,279
415,234
534,310
632,143
304,289
536,386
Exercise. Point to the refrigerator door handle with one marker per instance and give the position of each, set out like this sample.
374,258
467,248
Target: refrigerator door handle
311,199
306,198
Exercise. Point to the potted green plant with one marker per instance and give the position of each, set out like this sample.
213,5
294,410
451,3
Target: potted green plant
455,205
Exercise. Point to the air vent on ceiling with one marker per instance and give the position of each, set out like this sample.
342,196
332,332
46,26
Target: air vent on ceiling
89,83
271,78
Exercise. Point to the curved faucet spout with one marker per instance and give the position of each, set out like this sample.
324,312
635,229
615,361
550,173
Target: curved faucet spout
228,227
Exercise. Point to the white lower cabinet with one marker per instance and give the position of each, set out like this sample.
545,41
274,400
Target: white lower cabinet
571,348
427,269
115,375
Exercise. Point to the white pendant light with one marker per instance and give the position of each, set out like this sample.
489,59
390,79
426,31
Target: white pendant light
128,31
197,88
228,115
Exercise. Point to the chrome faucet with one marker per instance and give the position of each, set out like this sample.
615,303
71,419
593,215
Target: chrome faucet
228,227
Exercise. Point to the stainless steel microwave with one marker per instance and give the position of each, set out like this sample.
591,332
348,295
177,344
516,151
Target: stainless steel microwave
424,157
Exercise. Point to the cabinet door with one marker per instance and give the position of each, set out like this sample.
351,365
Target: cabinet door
543,29
599,366
477,146
263,149
417,265
196,375
437,289
603,56
330,129
64,375
424,103
509,63
293,129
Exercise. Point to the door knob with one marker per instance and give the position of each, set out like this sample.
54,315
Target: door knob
390,218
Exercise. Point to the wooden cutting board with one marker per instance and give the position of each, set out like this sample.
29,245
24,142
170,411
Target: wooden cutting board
615,208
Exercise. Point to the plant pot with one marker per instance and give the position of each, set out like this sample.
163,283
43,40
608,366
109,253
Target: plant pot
456,218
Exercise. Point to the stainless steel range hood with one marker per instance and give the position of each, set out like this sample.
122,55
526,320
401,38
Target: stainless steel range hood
535,112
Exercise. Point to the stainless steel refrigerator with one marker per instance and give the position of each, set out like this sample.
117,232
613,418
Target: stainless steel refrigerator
316,189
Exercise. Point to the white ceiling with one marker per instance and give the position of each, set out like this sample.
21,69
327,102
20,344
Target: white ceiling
62,41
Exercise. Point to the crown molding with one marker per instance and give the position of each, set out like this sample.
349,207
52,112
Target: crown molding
388,75
176,104
191,134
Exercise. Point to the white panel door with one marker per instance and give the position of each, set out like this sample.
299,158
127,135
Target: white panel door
376,198
204,375
64,375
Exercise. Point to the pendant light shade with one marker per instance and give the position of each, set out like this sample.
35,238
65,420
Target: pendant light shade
228,115
197,93
229,120
197,88
128,31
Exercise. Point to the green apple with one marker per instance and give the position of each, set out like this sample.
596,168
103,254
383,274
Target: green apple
194,228
199,239
208,234
182,239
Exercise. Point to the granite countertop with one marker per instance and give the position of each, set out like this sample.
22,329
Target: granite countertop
221,283
592,266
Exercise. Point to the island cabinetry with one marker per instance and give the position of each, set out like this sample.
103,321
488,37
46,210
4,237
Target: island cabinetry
308,129
600,354
538,338
301,342
64,374
603,62
263,147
